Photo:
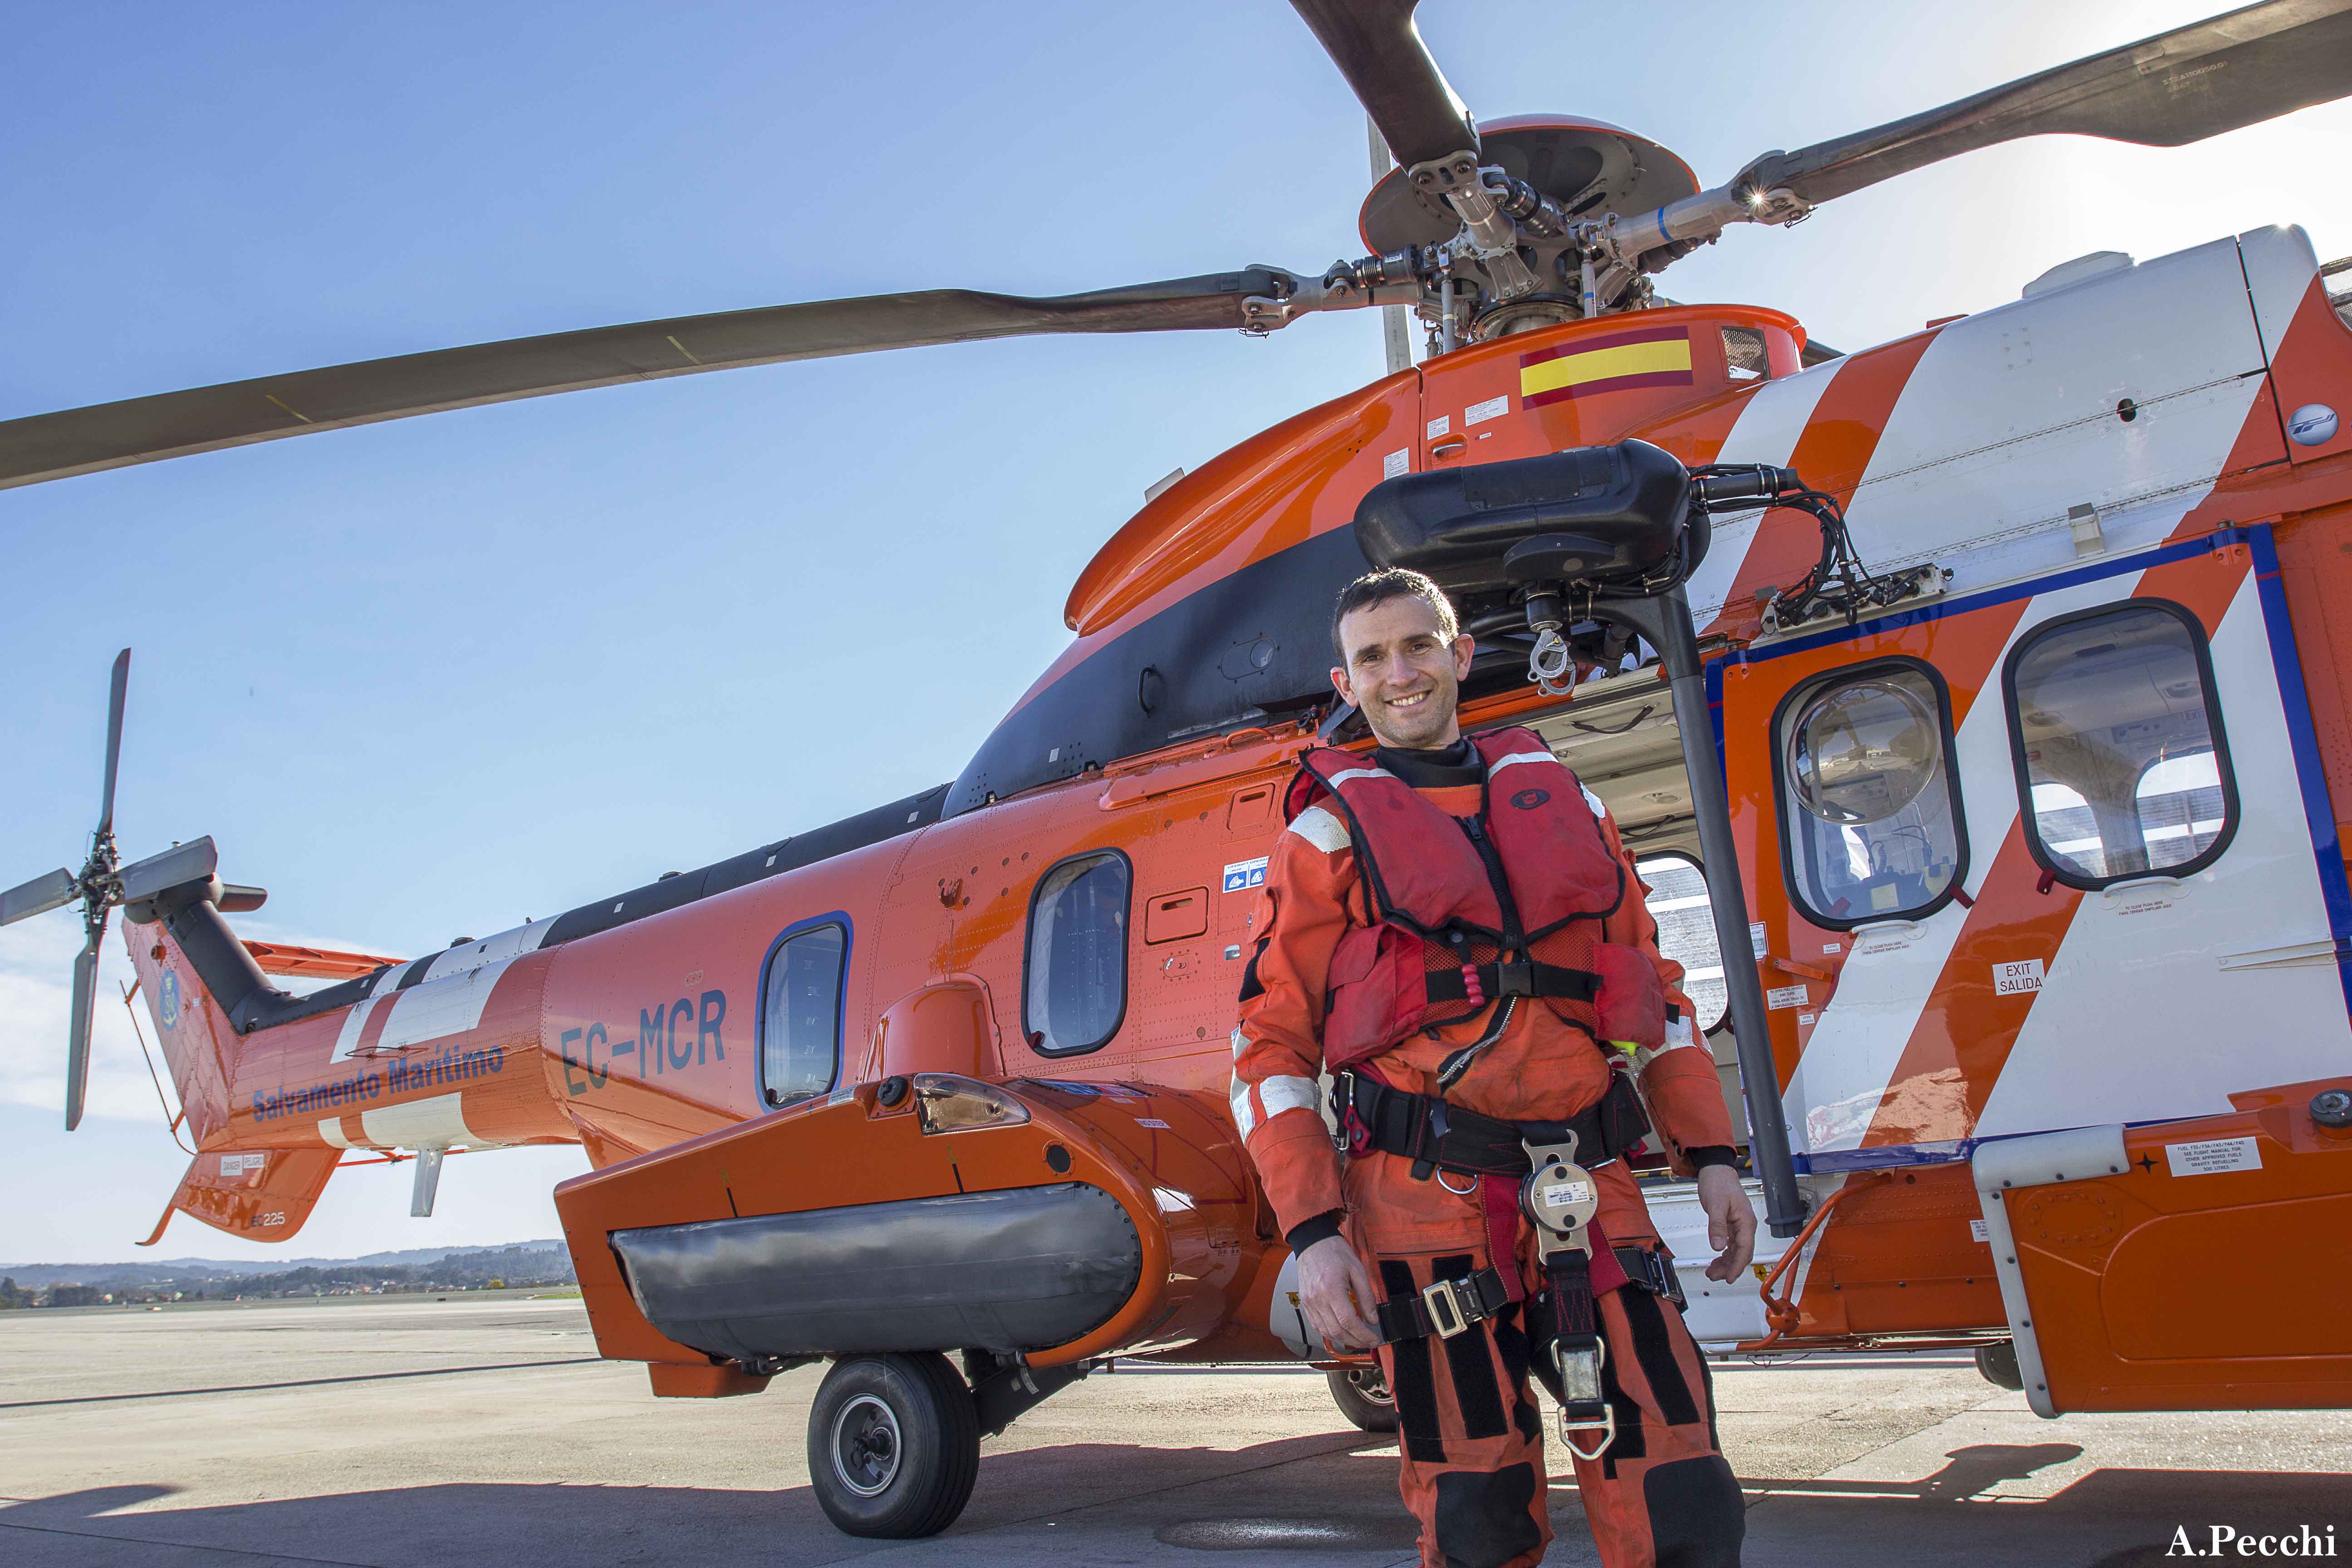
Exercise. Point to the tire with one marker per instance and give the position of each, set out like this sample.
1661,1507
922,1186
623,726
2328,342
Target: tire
893,1446
1362,1396
1996,1364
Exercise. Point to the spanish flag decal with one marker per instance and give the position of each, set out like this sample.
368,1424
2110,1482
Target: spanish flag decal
1652,356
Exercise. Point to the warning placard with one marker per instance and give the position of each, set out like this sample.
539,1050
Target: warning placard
1785,996
2213,1156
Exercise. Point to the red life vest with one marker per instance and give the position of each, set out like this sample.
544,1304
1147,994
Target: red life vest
1468,911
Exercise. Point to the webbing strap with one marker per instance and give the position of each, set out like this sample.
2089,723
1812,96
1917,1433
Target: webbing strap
1375,1119
1576,1337
1499,1198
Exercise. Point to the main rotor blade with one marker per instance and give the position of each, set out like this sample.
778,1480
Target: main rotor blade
85,996
38,896
1380,51
114,738
207,418
2196,81
181,863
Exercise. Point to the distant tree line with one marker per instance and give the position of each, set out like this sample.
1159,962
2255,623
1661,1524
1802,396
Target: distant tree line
494,1268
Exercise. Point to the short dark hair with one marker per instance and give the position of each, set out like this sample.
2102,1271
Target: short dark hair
1388,582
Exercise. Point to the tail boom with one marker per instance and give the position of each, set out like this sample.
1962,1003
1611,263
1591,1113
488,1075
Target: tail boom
444,1062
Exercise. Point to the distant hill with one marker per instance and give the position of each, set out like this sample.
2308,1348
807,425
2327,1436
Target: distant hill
201,1270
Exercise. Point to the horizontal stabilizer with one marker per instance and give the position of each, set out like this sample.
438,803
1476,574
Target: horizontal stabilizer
260,1194
314,962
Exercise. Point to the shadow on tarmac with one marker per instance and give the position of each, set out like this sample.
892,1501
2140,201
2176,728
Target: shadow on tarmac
2110,1518
1096,1502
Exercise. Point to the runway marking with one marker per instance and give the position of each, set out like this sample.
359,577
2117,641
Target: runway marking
303,1383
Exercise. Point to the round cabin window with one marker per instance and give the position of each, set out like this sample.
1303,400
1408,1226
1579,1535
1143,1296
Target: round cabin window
1861,752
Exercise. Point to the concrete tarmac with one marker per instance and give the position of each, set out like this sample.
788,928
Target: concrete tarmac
481,1429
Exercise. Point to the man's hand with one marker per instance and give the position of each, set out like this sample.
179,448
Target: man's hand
1731,1223
1336,1294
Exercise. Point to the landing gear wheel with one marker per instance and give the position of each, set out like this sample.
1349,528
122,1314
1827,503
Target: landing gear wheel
1996,1364
1363,1397
893,1445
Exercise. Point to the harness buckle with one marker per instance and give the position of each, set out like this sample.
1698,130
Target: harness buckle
1449,1312
1515,979
1653,1273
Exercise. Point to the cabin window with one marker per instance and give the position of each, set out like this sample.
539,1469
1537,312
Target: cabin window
1076,991
1678,904
1870,809
2121,761
799,1013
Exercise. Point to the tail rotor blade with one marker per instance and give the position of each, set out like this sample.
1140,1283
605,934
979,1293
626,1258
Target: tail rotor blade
181,863
85,996
113,739
38,896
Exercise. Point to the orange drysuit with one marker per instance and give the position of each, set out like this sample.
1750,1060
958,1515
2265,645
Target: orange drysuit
1471,1439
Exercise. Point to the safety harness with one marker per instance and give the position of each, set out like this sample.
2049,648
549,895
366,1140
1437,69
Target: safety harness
1502,905
1518,1169
1495,907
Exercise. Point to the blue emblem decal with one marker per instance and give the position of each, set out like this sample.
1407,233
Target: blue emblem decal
167,999
1243,875
2313,425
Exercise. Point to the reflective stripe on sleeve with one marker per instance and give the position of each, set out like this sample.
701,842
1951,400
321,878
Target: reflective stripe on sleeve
1283,1091
1679,1037
1321,829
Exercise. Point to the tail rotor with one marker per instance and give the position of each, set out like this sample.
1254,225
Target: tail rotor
102,883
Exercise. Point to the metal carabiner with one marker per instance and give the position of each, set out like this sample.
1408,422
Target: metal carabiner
1606,1427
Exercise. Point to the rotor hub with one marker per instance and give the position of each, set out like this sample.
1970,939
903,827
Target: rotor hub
1589,166
1530,314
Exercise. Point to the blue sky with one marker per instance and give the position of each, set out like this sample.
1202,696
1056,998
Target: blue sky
423,679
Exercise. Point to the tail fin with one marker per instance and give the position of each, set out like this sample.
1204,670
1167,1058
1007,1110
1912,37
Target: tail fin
209,998
262,1194
186,959
209,994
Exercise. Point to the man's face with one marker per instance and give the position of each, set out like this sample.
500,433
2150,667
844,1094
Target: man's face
1402,673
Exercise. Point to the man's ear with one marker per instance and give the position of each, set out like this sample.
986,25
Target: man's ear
1343,685
1464,648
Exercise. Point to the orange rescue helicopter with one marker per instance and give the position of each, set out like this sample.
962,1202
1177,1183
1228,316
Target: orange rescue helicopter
1963,693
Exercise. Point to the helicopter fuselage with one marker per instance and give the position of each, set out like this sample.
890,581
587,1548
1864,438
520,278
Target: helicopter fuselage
1069,918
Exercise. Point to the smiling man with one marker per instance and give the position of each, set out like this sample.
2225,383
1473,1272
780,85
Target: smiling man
1452,930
